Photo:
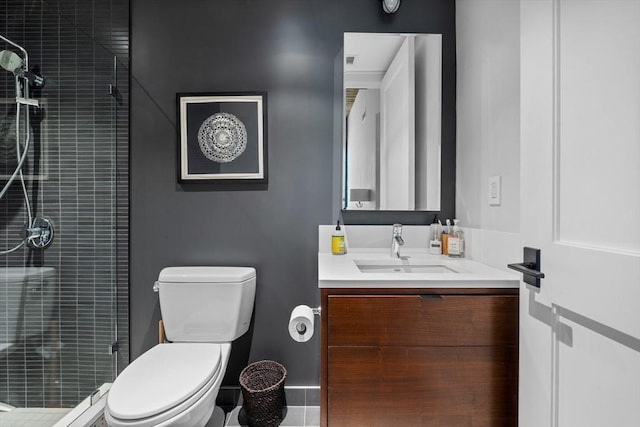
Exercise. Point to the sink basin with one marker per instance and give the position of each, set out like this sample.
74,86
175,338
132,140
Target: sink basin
401,267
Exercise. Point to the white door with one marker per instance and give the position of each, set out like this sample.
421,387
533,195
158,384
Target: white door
580,163
398,130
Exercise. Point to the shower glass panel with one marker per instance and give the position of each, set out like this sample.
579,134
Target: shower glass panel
59,305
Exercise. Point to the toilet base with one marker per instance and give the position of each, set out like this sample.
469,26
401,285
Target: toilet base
217,418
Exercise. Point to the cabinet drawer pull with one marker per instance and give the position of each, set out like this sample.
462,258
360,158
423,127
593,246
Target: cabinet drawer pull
430,297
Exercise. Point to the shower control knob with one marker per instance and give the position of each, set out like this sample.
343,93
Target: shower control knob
40,234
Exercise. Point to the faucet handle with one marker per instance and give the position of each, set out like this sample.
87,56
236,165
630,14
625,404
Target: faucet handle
396,240
397,234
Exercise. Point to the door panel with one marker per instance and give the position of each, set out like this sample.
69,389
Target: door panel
599,131
603,367
580,127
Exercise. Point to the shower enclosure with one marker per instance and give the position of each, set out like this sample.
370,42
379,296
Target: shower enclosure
64,200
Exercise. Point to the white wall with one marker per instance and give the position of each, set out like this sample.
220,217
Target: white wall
488,111
397,131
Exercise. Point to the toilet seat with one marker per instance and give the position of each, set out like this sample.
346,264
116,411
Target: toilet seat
164,382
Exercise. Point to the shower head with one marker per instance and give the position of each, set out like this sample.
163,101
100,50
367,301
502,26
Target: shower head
11,62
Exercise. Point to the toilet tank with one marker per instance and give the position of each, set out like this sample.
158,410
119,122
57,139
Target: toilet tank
206,304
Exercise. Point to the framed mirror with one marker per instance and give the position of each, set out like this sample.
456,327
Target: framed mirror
392,92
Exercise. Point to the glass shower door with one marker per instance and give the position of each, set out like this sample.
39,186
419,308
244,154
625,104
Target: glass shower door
58,306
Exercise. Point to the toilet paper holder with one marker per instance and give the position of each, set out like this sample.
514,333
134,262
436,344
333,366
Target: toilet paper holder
300,327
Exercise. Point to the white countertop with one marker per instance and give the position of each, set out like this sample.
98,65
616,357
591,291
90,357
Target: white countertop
340,271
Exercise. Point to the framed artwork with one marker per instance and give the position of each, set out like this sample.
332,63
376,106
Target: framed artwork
222,137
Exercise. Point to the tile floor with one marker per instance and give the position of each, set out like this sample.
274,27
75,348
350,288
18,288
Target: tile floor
297,416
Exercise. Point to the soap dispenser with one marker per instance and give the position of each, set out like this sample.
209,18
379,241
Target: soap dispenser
444,238
337,241
456,241
435,245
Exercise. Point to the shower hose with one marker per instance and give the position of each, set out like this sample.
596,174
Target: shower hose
18,170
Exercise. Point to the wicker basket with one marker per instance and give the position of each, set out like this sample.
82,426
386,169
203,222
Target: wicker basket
262,386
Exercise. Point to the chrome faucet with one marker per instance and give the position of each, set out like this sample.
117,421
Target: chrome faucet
396,240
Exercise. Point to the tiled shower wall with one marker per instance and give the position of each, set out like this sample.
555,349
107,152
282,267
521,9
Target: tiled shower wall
80,156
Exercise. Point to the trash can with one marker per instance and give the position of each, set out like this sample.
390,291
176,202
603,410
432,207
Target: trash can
262,386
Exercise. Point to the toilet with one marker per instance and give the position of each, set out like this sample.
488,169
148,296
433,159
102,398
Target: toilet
176,384
29,293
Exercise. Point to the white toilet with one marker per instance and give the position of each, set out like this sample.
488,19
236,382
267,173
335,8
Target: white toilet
29,296
176,384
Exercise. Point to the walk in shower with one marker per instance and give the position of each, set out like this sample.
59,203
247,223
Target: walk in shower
63,200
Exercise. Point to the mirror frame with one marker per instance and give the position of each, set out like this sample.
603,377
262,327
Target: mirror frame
447,153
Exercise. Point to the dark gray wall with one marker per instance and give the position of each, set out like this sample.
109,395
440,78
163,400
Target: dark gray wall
286,47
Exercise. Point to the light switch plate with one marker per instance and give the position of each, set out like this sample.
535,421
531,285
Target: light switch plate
494,190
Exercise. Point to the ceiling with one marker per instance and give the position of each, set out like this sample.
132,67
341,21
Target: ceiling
372,51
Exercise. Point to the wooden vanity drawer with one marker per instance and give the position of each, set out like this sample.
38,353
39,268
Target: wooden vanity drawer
422,320
423,386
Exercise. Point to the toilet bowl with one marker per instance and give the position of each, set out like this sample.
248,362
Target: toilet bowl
169,385
28,293
176,384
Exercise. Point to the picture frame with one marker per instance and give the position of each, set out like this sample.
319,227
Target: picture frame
222,137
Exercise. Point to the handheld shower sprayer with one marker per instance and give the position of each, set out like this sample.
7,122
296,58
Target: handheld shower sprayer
39,231
12,62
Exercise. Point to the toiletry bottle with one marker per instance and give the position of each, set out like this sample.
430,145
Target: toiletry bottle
461,239
456,241
445,238
435,246
337,241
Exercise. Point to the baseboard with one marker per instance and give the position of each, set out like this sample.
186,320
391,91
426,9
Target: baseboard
231,396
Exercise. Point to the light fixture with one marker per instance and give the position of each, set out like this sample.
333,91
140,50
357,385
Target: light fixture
390,6
359,195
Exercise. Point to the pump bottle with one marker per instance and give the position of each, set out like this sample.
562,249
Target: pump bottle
337,241
456,241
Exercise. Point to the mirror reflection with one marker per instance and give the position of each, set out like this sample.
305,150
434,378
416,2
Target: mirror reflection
392,127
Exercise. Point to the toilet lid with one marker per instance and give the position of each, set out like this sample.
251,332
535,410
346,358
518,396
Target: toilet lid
162,378
206,274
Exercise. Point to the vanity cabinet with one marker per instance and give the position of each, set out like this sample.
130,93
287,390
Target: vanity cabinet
419,357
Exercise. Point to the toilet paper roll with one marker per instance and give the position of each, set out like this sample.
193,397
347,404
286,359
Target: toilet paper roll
301,323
